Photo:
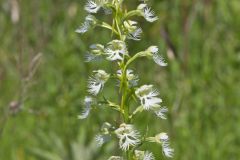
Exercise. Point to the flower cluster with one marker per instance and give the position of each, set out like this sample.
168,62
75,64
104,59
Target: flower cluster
116,52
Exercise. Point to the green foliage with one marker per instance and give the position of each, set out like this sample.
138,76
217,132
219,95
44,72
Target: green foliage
201,85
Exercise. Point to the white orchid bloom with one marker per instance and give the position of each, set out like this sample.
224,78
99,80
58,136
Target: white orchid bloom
128,136
90,21
95,54
134,32
156,57
115,50
96,82
147,96
147,13
148,156
93,6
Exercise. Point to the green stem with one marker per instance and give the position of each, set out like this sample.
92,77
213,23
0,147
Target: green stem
124,91
139,54
107,26
132,13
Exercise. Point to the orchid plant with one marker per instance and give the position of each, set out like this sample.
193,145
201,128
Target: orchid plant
123,28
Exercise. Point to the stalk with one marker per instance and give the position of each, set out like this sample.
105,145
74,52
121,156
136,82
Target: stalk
124,88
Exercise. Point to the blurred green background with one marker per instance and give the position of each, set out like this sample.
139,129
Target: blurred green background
42,73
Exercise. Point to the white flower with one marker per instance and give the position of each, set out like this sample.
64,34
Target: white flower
95,54
134,32
156,57
90,21
92,6
132,79
101,139
144,155
148,156
83,28
89,57
128,136
115,158
95,6
97,49
147,13
135,35
141,6
167,151
160,112
96,83
116,50
159,60
153,49
88,101
147,96
162,137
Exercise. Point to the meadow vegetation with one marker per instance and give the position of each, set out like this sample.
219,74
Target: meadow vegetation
43,79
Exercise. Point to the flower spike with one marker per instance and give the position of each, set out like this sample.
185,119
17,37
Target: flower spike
123,28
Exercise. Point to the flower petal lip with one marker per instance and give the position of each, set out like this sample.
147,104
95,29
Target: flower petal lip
89,22
83,28
88,102
167,151
156,57
101,139
159,60
160,112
